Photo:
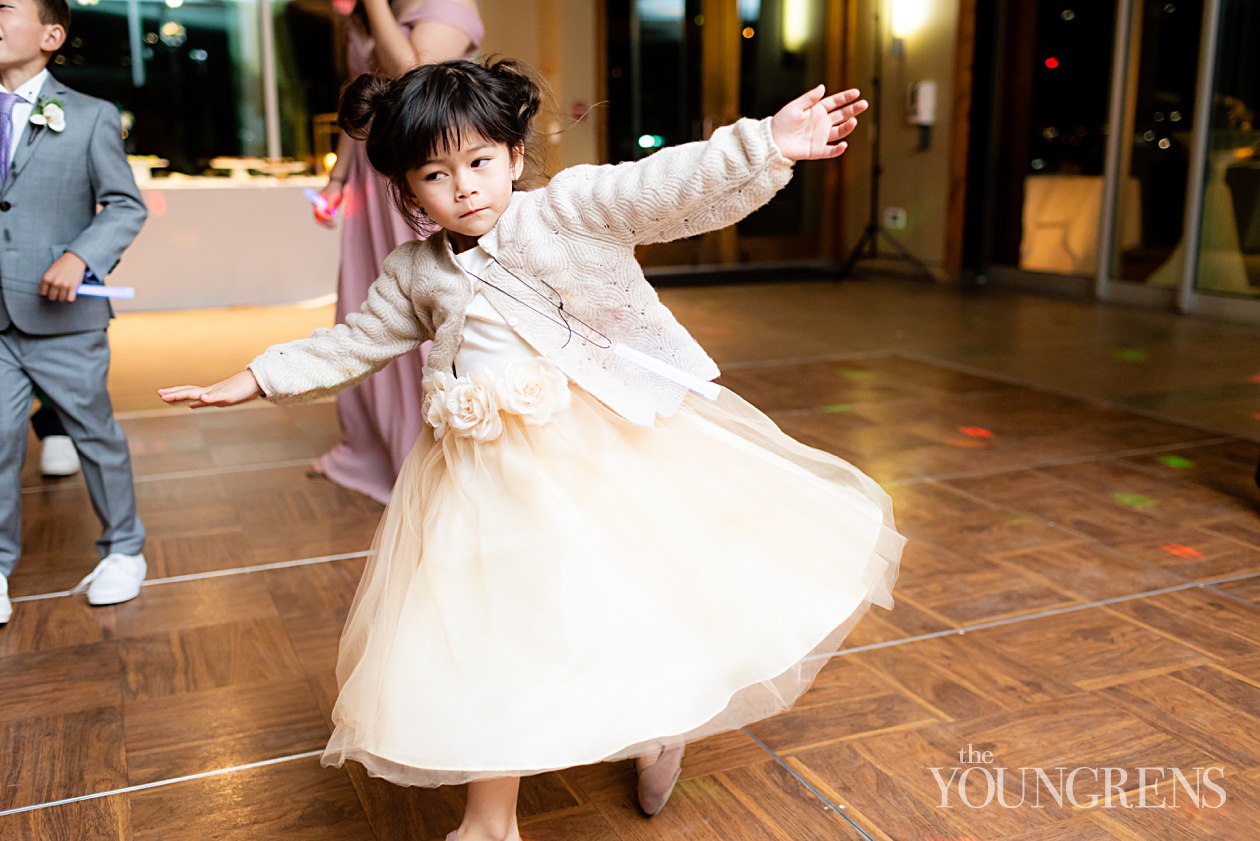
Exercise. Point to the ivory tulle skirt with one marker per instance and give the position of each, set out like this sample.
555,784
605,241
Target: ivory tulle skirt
587,590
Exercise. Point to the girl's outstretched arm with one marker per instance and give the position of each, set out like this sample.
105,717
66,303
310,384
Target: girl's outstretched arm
385,327
238,388
694,188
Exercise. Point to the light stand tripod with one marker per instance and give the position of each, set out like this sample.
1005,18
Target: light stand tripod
869,241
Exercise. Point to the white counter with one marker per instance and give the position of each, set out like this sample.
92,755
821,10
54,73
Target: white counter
216,242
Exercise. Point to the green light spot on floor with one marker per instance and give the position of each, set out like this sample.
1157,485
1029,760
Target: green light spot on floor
1176,462
856,373
1136,500
1130,355
837,408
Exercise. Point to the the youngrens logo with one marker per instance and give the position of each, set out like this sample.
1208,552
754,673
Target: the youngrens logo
977,783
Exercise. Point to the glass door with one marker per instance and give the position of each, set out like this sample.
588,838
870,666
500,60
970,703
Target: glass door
678,69
1156,134
1043,140
1225,277
1119,151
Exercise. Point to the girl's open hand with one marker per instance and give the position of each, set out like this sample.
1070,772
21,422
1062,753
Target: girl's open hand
811,127
238,388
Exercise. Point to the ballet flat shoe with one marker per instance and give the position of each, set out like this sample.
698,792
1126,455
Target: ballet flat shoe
656,782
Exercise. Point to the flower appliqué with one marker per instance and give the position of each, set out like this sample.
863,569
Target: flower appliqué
473,406
535,390
48,112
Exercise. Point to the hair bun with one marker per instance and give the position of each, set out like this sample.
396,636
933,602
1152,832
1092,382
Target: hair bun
521,85
359,102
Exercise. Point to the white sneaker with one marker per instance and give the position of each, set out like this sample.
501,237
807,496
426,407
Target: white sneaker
59,458
6,606
115,579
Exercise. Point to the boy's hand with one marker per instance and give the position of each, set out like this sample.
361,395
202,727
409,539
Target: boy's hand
811,128
238,388
63,277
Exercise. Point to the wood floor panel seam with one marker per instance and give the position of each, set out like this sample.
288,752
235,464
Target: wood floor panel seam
214,573
835,808
262,763
200,473
947,632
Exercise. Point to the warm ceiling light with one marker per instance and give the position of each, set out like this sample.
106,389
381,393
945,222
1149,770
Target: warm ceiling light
796,25
908,17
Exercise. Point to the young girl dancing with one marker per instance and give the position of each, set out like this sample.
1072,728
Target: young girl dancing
595,553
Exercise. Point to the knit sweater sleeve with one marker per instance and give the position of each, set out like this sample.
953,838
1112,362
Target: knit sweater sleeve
677,192
385,327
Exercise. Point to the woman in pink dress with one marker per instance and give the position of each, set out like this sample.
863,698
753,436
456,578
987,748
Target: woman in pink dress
380,418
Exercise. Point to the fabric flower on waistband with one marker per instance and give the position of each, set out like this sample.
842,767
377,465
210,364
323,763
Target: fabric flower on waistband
473,407
535,389
48,112
436,384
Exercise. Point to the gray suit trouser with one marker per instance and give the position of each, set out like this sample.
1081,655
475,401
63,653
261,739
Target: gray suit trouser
72,370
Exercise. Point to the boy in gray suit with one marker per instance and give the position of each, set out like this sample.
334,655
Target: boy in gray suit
61,156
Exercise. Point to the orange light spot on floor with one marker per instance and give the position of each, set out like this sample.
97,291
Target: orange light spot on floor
1176,549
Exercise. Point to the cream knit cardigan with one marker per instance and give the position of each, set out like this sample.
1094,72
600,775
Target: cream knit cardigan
577,234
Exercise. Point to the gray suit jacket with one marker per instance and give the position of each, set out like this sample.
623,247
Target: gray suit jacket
49,205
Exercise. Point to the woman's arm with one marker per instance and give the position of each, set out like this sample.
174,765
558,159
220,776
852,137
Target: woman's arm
345,158
430,41
335,188
697,187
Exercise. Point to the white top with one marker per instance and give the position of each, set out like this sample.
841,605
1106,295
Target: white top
488,338
23,107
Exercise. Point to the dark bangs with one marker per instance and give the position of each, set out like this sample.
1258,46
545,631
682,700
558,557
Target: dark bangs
452,108
444,104
407,121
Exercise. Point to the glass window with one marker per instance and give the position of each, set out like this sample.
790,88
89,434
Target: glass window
654,80
1229,249
187,74
1051,114
782,56
1152,198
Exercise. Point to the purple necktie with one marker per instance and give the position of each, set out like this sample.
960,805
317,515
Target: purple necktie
7,101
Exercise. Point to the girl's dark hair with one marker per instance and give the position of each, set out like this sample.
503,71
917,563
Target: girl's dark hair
405,121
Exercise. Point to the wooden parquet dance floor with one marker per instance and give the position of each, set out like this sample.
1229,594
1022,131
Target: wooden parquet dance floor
1081,591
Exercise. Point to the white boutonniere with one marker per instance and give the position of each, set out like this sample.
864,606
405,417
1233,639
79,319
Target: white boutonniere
48,112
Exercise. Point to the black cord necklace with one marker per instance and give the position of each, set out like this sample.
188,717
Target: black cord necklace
558,302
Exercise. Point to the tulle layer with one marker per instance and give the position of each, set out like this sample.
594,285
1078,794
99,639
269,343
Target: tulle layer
588,590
